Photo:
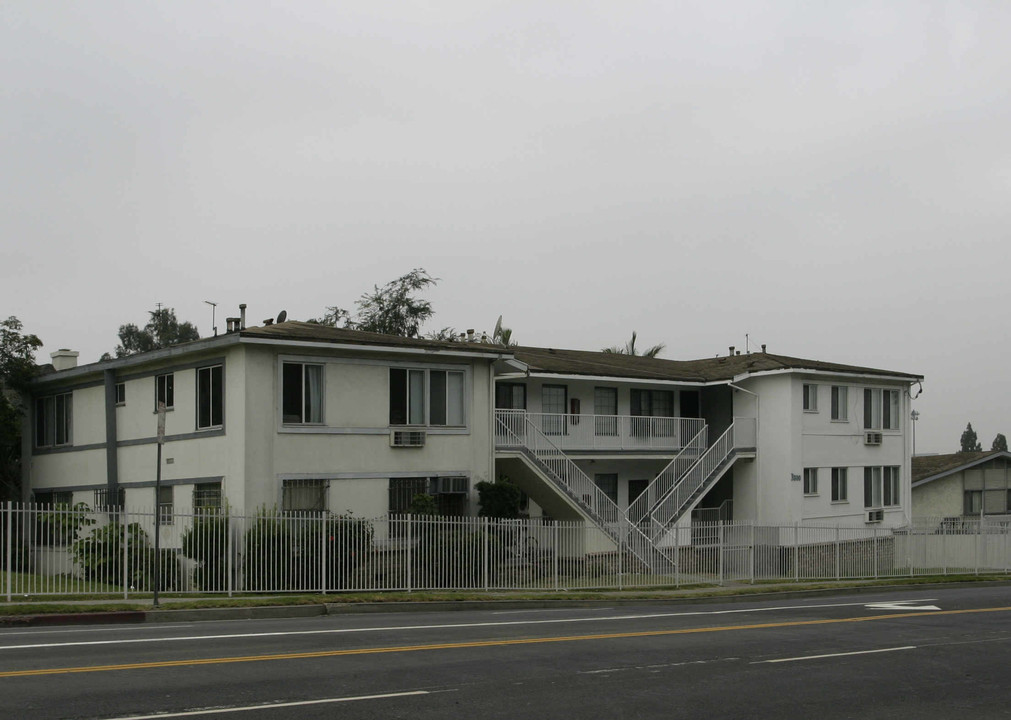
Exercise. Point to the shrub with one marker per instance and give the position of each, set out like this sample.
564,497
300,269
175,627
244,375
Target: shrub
206,542
100,556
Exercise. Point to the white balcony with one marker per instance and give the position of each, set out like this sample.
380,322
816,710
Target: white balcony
597,432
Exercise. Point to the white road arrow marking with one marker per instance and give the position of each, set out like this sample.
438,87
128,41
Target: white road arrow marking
901,605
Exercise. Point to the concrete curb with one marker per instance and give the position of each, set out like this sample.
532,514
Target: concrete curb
339,608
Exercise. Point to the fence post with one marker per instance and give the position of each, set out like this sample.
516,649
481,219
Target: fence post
324,536
126,555
719,557
677,554
751,555
944,548
486,554
621,563
875,552
409,558
979,533
10,570
796,551
555,554
230,543
837,568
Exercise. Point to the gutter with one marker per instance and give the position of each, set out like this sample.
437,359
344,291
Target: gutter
398,350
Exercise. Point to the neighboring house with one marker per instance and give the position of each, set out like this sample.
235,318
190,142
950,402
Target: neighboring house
967,484
304,417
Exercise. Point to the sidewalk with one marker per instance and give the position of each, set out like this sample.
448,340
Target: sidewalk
94,611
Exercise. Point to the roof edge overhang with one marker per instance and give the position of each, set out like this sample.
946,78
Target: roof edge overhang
385,349
622,378
907,379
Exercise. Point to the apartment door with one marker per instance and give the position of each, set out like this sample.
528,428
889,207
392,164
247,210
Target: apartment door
690,404
554,399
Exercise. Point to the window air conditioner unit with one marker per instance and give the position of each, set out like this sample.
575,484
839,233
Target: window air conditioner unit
872,438
874,516
407,438
451,485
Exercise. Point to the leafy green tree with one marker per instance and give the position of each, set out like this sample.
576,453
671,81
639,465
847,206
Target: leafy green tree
161,331
999,443
17,368
631,349
969,441
394,309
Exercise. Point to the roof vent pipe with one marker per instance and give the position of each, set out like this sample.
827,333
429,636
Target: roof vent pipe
738,352
731,351
242,316
470,334
763,347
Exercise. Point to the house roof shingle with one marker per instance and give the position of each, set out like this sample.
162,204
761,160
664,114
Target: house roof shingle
581,362
931,466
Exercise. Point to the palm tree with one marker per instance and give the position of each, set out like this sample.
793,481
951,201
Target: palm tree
630,349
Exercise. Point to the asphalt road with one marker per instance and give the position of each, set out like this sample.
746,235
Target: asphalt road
912,654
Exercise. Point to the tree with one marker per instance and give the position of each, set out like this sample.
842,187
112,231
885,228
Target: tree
630,348
393,309
499,499
999,443
162,330
17,368
969,441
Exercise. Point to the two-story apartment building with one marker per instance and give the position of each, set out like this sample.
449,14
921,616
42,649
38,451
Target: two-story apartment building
299,416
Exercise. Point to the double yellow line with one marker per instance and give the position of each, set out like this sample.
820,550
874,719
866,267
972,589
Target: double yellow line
480,644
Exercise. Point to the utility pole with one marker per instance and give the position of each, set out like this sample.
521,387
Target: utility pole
915,415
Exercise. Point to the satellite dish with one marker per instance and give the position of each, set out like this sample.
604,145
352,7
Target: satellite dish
282,316
498,329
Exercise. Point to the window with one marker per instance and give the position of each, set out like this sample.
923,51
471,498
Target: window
881,486
207,498
121,393
511,396
54,420
810,398
402,492
881,409
210,398
427,397
554,399
650,403
810,481
301,393
973,502
445,393
53,497
164,390
166,512
605,407
840,399
608,483
309,495
105,501
840,491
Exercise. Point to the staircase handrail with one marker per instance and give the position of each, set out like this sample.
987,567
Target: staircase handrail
668,477
673,504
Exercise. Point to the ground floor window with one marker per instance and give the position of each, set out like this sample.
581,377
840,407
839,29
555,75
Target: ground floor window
53,497
207,498
608,483
810,481
166,509
304,495
104,500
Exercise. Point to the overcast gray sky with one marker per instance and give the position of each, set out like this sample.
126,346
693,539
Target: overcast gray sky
832,178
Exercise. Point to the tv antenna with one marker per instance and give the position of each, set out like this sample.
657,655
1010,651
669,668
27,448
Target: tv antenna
214,307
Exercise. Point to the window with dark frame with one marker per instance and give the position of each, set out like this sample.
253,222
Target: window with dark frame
810,398
810,481
301,393
164,390
605,407
427,397
105,502
210,397
121,393
840,489
881,486
54,417
881,409
510,396
840,399
402,491
207,498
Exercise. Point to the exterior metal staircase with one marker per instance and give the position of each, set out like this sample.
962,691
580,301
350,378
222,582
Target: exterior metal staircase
689,475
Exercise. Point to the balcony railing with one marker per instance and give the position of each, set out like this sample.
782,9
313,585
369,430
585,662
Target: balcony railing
600,432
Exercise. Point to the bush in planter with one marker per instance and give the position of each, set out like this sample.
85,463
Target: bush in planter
340,543
100,556
206,542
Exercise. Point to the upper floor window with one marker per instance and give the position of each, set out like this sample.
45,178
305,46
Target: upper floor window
427,397
165,390
54,420
121,393
210,397
301,393
510,396
810,398
652,403
840,400
881,409
605,408
881,486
